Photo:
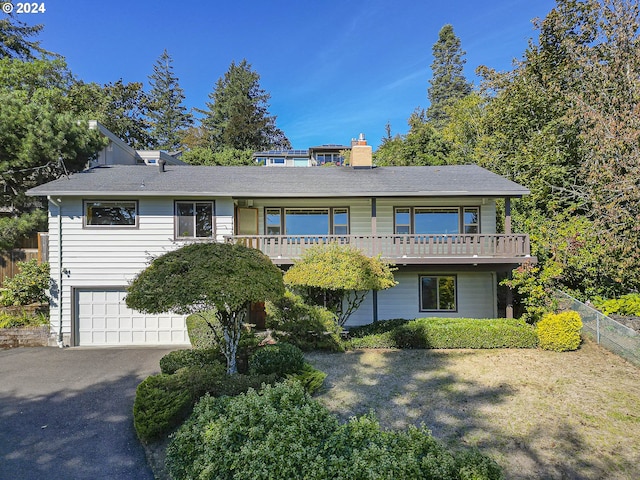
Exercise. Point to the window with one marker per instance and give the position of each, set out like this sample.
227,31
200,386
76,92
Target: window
340,221
111,214
306,221
402,221
471,220
433,221
436,220
194,219
438,293
273,221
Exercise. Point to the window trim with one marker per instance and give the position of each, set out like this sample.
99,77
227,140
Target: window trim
85,224
176,221
461,222
438,276
283,225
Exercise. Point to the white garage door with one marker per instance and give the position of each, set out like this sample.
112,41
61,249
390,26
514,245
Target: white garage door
102,318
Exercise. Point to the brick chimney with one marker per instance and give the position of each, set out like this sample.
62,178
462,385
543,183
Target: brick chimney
361,153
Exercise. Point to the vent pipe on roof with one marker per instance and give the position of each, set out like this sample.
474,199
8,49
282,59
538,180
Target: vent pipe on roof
161,163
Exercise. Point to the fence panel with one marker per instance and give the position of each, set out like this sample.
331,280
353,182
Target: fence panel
612,335
9,261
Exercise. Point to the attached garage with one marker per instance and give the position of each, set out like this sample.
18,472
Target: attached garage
101,317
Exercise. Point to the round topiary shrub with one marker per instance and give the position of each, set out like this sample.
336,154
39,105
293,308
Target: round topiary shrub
560,332
173,361
281,359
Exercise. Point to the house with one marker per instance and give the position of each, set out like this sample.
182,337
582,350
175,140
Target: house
313,157
118,152
437,224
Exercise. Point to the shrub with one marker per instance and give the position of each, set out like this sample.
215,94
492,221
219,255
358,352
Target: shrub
163,401
160,405
445,333
308,327
177,359
309,377
281,432
23,319
280,359
560,332
627,305
28,286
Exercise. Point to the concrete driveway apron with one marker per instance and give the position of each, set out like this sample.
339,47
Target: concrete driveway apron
67,413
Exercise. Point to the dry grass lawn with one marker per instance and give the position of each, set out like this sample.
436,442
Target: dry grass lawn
538,414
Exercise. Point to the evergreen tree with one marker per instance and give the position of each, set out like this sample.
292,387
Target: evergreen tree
238,116
448,83
168,117
14,41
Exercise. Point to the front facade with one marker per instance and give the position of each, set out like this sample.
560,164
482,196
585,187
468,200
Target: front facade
437,224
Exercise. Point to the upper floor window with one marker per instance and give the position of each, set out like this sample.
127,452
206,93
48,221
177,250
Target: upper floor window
117,213
436,220
306,221
194,219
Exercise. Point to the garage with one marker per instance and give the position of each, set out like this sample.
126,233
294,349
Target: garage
102,318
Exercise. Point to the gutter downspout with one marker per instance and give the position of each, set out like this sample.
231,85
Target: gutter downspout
58,204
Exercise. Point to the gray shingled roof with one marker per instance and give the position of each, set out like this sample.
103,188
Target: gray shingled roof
136,180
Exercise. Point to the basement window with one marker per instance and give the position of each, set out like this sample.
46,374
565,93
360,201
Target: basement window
438,293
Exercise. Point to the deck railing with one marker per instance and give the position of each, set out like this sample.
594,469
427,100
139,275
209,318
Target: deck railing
396,247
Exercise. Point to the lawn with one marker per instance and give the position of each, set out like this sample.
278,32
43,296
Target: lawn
539,414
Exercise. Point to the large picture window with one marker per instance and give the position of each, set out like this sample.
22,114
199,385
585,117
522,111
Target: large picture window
306,221
438,293
194,219
111,213
436,220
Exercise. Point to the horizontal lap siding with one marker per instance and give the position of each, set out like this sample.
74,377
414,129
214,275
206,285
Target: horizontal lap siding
112,257
476,298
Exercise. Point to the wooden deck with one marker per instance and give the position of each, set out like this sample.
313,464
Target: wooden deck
405,249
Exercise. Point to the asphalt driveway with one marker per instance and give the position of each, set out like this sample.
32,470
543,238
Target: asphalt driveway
67,413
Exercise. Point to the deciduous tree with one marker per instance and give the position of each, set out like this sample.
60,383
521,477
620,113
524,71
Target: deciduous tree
218,278
338,277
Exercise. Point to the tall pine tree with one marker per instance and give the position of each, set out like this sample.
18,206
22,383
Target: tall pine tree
238,116
168,117
448,83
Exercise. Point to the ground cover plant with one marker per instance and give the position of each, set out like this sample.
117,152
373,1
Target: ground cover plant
444,333
280,432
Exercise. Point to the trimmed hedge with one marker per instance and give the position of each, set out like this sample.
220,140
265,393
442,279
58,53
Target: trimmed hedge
163,401
445,333
173,361
280,359
309,377
560,332
280,432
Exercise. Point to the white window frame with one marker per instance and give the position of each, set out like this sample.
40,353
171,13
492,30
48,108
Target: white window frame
438,306
194,217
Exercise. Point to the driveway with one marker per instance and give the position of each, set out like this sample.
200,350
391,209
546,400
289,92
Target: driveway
67,413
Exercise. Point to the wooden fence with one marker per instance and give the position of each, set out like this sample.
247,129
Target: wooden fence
9,260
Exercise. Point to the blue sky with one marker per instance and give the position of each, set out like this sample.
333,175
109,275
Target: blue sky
334,68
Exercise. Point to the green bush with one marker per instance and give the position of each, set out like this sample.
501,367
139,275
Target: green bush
280,432
560,332
28,286
23,319
160,405
280,359
627,305
445,333
308,327
177,359
309,377
163,401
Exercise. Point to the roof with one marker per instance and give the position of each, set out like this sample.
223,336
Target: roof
254,182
